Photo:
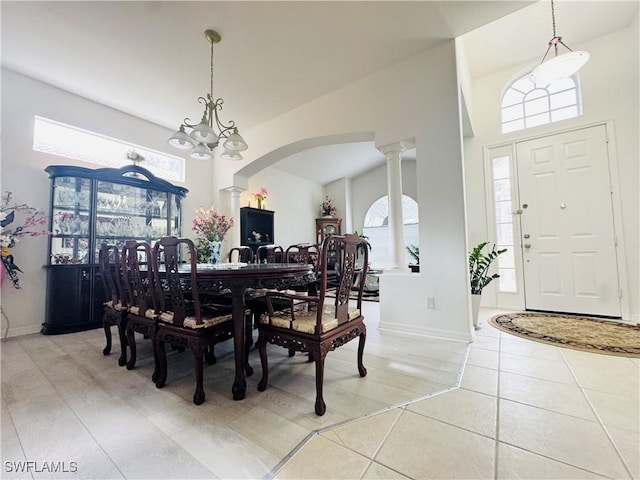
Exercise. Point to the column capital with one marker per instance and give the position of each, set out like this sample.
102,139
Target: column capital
396,147
235,191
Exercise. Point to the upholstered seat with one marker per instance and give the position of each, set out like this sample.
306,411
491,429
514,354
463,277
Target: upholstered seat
305,323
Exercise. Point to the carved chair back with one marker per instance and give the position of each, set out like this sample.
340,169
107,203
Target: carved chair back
269,254
244,253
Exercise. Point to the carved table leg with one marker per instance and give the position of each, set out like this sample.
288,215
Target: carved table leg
239,384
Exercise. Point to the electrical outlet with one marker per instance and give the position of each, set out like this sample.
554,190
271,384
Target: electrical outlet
431,302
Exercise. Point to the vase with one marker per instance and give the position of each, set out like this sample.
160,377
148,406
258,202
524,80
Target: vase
215,248
475,308
259,204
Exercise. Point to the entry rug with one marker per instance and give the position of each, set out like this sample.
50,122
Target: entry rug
570,331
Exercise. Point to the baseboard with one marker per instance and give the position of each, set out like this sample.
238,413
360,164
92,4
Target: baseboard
18,331
409,329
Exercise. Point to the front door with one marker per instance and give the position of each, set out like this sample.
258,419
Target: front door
568,241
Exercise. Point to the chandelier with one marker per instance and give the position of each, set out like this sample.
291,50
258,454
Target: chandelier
202,138
559,66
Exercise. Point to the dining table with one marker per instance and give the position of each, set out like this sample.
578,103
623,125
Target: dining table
235,279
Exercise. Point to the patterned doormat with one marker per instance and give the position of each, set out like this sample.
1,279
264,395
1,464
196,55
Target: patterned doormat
570,331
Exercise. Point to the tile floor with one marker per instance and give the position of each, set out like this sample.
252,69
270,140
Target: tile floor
513,409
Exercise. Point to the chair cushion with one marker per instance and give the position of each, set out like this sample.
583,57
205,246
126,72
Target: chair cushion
207,320
149,313
118,306
305,320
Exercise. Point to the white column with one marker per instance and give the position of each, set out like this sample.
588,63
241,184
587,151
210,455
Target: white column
234,238
394,191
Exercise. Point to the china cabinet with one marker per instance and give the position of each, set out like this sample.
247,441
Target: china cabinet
325,227
88,207
256,227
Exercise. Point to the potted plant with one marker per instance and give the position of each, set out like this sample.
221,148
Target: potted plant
479,274
414,251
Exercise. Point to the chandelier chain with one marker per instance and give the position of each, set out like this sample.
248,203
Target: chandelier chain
553,18
211,73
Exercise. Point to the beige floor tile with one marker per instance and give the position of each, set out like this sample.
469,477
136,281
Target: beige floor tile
275,433
628,444
624,380
616,411
559,397
203,431
478,379
323,459
571,440
365,436
462,408
481,357
420,447
520,346
136,445
486,342
535,367
515,463
375,471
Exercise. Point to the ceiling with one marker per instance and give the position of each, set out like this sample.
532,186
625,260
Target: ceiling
151,60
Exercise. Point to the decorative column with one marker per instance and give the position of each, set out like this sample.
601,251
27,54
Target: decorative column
394,191
234,238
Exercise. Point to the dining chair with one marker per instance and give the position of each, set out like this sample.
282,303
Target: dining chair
143,299
269,254
302,253
184,317
313,326
243,254
115,307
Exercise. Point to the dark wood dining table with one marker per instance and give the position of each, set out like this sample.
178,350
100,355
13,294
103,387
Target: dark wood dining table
236,278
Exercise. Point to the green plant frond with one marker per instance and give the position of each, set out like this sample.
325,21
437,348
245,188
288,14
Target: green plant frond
479,264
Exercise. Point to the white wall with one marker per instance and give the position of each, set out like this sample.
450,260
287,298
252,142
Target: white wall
23,174
294,200
609,85
415,99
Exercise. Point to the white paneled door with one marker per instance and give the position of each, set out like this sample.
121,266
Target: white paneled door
568,239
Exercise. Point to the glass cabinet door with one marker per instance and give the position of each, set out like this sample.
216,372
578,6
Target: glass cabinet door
125,212
70,220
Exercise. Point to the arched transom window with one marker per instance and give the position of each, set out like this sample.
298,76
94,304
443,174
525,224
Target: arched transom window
525,104
377,230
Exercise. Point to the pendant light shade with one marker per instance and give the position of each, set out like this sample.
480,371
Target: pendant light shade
235,142
201,152
230,155
203,133
181,140
558,66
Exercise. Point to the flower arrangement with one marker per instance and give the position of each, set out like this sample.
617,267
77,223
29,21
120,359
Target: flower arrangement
327,208
135,157
261,195
211,225
30,226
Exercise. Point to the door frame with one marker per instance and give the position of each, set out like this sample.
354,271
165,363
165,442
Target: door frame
507,300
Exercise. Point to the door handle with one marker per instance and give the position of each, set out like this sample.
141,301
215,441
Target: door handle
527,245
526,235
